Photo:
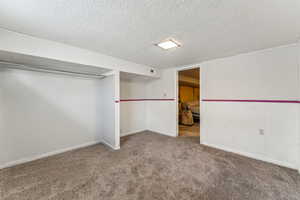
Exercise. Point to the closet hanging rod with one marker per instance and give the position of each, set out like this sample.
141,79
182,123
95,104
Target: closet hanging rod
52,71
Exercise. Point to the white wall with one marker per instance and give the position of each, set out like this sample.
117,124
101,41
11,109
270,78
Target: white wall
299,106
235,126
108,112
16,43
161,115
133,113
41,114
155,112
117,82
73,106
268,74
271,74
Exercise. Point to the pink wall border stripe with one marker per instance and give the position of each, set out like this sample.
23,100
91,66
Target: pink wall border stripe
216,100
251,100
127,100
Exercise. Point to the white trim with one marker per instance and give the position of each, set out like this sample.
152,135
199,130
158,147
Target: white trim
176,101
145,130
132,132
298,146
183,68
29,45
117,110
110,146
109,73
162,133
52,153
252,155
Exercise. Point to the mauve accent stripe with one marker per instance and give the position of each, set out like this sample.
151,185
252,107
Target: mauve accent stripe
146,99
126,100
249,100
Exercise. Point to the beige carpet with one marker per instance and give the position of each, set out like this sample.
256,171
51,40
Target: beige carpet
150,167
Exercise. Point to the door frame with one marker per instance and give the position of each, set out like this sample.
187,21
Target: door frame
177,92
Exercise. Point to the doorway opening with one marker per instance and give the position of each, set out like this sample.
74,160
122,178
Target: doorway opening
189,103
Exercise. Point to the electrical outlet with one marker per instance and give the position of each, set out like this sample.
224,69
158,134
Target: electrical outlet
261,132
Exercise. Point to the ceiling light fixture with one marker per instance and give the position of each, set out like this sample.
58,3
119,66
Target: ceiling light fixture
168,44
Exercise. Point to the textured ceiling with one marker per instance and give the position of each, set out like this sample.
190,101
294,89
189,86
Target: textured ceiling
128,29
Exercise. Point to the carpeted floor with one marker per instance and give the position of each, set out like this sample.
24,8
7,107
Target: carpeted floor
149,166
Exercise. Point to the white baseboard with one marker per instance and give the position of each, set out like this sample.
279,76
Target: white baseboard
162,133
29,159
138,131
252,155
110,146
132,132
